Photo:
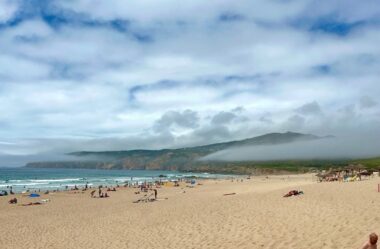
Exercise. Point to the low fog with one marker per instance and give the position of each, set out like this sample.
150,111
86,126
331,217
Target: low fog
329,148
22,160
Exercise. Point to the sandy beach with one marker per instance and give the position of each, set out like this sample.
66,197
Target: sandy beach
327,215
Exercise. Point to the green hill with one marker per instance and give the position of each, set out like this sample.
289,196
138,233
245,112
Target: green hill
183,159
187,159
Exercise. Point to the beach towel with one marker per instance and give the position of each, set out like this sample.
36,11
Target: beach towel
34,195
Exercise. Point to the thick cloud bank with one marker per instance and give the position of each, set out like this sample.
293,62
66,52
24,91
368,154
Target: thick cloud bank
329,148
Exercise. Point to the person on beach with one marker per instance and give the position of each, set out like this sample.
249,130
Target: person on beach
293,192
92,193
13,201
32,203
155,194
372,242
100,191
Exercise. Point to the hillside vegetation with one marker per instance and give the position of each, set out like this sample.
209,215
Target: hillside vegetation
189,159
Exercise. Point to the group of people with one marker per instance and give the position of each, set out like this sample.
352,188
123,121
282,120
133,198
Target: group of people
5,193
101,193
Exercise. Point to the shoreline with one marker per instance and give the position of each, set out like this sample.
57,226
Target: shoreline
40,180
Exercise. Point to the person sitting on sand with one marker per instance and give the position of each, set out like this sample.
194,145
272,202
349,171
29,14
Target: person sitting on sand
92,193
13,201
372,242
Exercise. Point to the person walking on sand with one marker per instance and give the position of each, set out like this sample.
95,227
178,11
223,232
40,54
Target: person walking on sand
372,243
100,191
155,194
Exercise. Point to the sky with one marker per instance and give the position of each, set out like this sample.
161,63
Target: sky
114,75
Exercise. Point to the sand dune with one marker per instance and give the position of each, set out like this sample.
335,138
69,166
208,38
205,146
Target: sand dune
328,215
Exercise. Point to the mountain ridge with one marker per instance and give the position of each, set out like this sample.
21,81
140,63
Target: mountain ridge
243,142
183,159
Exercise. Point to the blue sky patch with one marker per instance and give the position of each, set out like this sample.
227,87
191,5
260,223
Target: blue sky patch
334,27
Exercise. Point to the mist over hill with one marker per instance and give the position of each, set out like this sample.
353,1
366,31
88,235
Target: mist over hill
184,159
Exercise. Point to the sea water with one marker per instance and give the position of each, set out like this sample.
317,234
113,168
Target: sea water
34,179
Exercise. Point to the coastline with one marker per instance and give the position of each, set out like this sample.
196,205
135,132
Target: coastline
39,180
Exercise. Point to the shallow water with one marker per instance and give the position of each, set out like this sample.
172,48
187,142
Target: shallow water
21,179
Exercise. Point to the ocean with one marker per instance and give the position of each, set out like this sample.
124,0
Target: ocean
22,179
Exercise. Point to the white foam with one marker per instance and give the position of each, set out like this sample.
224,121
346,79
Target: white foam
57,180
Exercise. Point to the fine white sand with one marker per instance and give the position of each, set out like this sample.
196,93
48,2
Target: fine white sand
328,215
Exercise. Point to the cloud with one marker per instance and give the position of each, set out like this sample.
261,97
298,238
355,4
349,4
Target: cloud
348,11
367,102
266,118
332,148
8,8
186,119
219,133
348,112
312,108
295,122
169,10
223,118
107,71
20,160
